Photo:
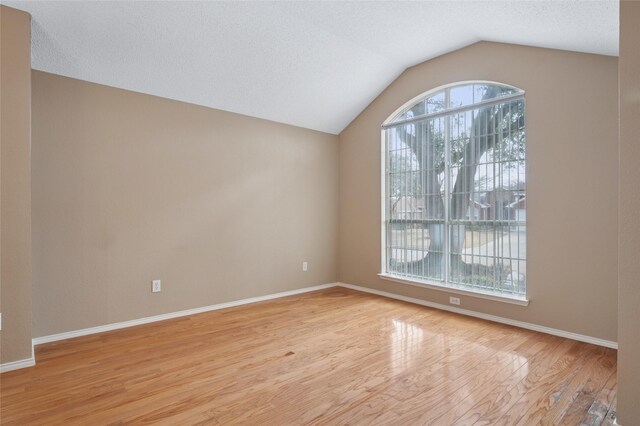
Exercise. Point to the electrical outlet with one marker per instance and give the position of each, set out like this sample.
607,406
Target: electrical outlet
156,286
305,266
454,300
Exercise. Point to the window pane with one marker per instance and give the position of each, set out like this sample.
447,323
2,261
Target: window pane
461,96
483,92
415,111
416,250
479,92
435,103
488,257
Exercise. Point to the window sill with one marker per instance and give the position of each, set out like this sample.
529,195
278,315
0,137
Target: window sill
439,286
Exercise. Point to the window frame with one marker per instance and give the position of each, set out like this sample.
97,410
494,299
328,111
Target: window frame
393,121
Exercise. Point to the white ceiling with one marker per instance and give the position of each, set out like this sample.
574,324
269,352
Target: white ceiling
310,64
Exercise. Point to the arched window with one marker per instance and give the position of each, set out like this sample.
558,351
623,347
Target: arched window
454,190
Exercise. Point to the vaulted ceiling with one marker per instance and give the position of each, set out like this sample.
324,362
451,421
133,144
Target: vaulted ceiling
310,64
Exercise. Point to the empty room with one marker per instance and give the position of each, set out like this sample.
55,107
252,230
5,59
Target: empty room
320,212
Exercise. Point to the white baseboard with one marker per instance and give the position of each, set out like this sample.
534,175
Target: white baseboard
14,365
494,318
21,363
140,321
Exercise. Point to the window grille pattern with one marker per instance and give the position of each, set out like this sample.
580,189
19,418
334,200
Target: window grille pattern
455,190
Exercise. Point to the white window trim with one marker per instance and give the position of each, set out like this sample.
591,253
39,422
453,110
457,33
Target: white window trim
434,285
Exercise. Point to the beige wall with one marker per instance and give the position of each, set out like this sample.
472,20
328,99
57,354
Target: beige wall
15,184
571,102
629,225
129,187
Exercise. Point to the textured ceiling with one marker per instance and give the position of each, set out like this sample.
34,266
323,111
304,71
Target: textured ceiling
310,64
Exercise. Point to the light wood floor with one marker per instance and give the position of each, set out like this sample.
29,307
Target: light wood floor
331,357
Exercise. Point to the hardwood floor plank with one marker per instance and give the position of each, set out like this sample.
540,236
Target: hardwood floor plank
536,402
494,383
564,396
335,356
490,409
420,392
403,375
610,418
334,373
603,402
583,399
309,359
